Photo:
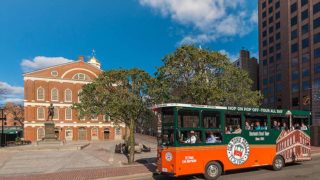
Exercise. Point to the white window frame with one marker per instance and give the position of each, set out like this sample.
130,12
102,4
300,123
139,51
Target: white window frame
44,115
94,119
38,133
66,113
52,94
106,118
68,137
97,132
65,95
40,99
56,113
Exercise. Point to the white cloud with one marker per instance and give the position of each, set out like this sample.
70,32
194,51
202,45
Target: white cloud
232,57
40,62
210,19
9,93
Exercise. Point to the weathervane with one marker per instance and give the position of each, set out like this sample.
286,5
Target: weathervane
93,53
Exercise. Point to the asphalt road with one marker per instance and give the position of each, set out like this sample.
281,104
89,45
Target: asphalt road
309,170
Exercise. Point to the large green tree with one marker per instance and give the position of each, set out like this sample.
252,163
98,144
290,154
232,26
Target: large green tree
121,94
200,76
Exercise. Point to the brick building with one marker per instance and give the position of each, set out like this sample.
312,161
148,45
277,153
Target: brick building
249,64
294,146
61,85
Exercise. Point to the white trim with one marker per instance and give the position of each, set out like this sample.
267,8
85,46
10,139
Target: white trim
65,114
44,115
65,95
42,95
70,124
74,69
47,104
56,80
50,67
57,100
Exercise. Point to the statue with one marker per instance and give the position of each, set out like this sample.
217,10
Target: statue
50,112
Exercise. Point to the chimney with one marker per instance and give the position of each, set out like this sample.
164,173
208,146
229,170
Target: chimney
81,58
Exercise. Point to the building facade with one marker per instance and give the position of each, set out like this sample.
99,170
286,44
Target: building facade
60,85
289,48
249,64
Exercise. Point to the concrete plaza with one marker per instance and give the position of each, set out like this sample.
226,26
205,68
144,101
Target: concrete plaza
99,154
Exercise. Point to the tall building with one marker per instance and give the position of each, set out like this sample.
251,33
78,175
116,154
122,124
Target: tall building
250,64
289,49
60,85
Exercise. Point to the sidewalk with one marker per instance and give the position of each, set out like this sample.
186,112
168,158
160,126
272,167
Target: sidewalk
315,151
85,174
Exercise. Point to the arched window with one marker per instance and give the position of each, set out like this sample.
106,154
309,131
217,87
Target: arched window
56,113
69,134
94,117
68,95
81,77
40,113
40,94
68,113
54,94
79,95
40,133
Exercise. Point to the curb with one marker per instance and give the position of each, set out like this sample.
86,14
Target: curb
128,176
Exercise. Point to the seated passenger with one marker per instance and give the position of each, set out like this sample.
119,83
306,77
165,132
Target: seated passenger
297,126
265,126
257,127
191,138
247,127
226,130
284,126
211,138
275,125
237,130
303,127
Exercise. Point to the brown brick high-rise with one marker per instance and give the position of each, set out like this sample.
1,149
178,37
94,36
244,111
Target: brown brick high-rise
289,50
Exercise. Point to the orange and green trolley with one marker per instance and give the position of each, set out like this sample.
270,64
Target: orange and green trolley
202,139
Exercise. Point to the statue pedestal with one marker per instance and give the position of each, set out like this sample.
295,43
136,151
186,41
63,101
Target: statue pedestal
49,131
49,135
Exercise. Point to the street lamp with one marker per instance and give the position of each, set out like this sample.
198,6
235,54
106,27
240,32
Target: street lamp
289,114
2,119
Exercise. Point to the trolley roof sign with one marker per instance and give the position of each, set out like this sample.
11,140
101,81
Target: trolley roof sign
232,108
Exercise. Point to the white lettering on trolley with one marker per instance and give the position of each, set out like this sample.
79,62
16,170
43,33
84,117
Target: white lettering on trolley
189,159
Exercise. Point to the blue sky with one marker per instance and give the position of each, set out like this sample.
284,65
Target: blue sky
124,33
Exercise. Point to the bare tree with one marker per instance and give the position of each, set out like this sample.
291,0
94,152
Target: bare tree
16,110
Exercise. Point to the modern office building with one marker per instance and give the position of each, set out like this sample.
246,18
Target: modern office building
249,64
289,50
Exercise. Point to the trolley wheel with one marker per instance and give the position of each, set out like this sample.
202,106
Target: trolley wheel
212,170
278,163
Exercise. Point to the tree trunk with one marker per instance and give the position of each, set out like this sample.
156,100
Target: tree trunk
131,142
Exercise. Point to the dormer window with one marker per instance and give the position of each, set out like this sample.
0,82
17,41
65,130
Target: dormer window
81,77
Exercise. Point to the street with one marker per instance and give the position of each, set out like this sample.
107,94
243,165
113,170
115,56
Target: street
306,171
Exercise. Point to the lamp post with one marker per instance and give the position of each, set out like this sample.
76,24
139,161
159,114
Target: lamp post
289,114
2,119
